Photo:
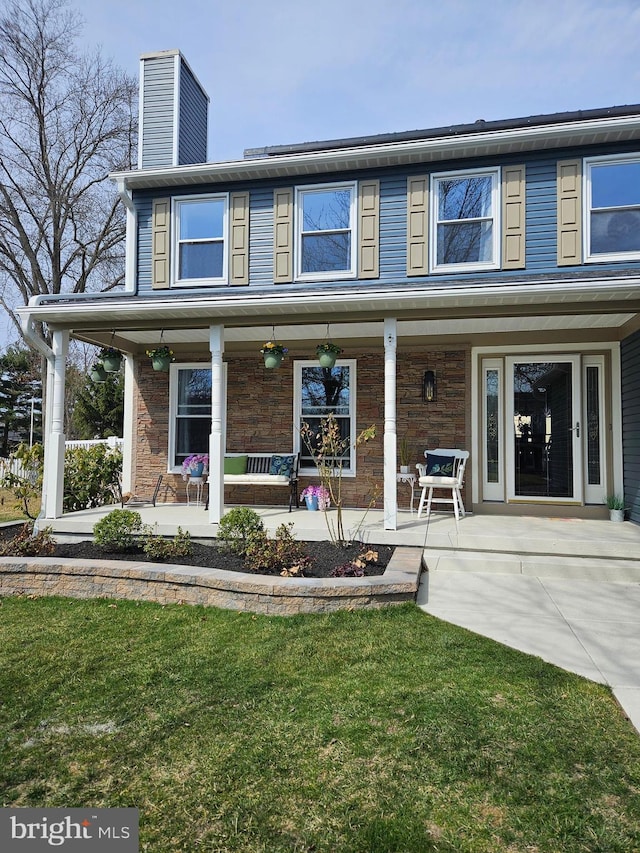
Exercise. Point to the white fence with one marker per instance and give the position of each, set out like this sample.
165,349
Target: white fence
15,467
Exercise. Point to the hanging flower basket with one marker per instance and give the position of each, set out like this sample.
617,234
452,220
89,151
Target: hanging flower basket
327,353
273,354
111,359
98,373
161,358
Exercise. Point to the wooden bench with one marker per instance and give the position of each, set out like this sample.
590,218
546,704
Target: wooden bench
258,472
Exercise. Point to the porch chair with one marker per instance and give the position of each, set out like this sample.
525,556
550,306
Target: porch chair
444,471
136,500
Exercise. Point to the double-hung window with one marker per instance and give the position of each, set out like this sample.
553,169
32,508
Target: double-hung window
200,247
465,223
612,208
325,231
321,391
189,412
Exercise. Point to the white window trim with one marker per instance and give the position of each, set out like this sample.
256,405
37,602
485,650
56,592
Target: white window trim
176,202
588,164
298,447
173,407
494,264
352,272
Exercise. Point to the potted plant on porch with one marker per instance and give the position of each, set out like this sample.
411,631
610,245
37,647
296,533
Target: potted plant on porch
316,497
327,353
161,357
111,359
195,465
404,452
273,353
615,505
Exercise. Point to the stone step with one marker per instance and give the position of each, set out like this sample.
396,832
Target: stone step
608,568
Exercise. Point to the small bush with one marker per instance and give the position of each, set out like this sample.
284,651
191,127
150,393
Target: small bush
25,544
237,527
355,568
91,476
160,549
281,555
118,531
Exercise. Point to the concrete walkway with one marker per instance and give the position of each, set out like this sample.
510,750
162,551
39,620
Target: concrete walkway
588,627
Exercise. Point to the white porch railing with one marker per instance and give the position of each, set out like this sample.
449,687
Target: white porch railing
15,466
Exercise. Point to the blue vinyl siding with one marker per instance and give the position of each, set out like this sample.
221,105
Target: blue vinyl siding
541,223
541,216
157,127
630,372
192,137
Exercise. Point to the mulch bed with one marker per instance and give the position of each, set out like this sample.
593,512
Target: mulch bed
325,555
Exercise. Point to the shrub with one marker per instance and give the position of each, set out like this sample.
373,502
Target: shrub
159,549
280,555
236,528
25,544
118,531
91,476
355,568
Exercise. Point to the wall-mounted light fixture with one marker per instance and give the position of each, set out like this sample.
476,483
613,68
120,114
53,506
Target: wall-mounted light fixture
429,390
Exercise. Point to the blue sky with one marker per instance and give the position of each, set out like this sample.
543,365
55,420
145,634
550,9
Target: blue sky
296,71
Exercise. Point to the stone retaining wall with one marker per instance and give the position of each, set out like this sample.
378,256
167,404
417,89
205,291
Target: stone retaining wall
173,584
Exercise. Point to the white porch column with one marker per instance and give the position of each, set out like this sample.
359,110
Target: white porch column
54,461
128,423
390,435
216,439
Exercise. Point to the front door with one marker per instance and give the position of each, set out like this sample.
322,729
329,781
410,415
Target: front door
543,437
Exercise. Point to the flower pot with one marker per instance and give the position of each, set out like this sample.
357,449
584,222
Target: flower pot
404,469
312,502
273,359
616,514
98,373
112,363
327,359
197,470
161,363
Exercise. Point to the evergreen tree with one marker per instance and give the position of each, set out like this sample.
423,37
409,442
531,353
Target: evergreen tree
99,408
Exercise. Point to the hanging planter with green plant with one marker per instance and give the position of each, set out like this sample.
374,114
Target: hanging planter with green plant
111,359
161,357
98,373
273,354
327,353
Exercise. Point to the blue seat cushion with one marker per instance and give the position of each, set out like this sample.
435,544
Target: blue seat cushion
439,466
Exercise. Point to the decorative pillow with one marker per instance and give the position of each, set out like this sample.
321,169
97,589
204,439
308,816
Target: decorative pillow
282,465
235,464
439,466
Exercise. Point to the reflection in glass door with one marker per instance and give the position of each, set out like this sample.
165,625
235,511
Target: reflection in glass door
545,432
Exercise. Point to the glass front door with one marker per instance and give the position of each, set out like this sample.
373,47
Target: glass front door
543,429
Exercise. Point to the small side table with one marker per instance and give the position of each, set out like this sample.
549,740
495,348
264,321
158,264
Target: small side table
411,480
199,483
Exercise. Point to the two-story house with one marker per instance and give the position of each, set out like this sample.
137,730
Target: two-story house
482,280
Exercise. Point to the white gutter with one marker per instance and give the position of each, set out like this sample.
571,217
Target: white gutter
31,337
559,289
365,155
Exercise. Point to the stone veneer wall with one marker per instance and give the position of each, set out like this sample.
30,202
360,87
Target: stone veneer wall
260,410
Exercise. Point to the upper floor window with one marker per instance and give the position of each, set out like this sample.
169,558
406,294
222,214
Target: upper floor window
613,208
200,253
465,220
325,231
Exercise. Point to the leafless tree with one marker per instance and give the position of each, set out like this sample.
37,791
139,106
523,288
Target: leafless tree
67,119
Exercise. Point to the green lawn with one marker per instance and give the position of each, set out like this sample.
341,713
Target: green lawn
378,731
